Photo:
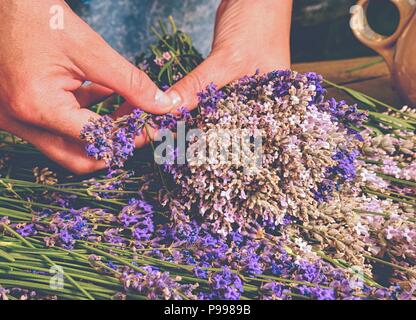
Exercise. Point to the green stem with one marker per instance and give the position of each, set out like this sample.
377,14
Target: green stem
6,227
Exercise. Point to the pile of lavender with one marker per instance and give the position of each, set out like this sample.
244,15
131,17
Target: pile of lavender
307,157
325,210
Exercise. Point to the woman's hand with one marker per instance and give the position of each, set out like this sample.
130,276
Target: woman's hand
42,71
249,35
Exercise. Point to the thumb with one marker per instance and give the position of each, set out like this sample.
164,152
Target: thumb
212,70
101,64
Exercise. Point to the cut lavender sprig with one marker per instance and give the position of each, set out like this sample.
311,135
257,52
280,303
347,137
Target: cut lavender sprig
113,140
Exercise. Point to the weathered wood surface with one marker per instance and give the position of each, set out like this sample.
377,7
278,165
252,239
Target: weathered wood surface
369,75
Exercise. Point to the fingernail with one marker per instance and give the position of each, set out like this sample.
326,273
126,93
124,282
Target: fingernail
163,100
175,98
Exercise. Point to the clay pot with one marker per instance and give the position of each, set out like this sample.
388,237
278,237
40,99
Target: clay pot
399,49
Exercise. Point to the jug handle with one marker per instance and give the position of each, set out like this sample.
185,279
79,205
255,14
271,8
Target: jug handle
382,44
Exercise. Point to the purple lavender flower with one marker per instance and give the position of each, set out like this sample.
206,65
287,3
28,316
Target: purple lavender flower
309,272
345,168
200,273
113,140
143,230
154,284
98,133
325,190
66,238
26,230
282,85
185,114
249,259
317,293
317,81
210,98
123,146
69,226
168,121
274,291
134,212
225,285
112,236
138,214
347,115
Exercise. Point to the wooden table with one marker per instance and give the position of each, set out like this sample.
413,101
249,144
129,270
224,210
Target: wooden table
369,75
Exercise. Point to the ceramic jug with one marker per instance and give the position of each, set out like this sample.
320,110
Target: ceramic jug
399,49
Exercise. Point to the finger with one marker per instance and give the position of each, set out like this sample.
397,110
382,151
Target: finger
123,110
71,121
67,118
68,153
55,110
185,92
92,94
103,65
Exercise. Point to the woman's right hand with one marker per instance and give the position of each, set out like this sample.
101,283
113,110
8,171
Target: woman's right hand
43,68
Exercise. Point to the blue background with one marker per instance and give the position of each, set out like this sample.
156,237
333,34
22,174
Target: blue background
320,27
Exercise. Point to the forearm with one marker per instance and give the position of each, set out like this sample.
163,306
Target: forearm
268,25
262,12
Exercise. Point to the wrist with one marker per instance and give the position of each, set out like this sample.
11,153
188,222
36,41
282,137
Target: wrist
272,4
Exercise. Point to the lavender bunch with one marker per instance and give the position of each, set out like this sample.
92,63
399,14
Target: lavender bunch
309,151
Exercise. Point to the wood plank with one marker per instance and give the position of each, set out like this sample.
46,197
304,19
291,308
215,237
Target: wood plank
377,88
344,71
369,75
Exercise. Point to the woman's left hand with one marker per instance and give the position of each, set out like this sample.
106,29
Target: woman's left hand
249,36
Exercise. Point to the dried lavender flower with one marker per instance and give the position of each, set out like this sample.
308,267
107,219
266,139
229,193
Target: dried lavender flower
309,151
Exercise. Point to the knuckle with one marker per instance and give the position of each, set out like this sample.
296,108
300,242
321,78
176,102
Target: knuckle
237,57
233,55
80,169
84,166
239,62
25,105
19,109
136,79
195,82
